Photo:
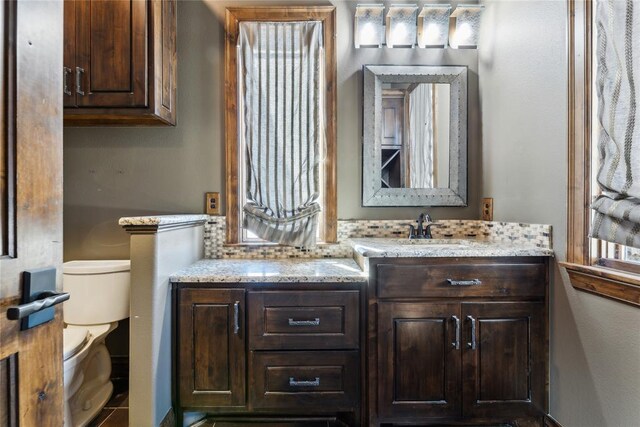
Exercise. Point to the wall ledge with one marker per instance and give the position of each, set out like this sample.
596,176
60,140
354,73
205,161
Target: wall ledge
159,223
606,282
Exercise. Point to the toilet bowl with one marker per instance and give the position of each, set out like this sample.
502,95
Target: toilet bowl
99,299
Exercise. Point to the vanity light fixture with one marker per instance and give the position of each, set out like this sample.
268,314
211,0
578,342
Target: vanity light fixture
368,27
401,25
467,28
433,26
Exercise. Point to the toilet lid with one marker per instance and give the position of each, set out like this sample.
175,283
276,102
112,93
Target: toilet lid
73,340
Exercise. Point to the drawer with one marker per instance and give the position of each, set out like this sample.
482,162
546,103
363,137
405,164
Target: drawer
303,320
304,380
460,280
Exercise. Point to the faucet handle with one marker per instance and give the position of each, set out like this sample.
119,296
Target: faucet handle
427,229
412,231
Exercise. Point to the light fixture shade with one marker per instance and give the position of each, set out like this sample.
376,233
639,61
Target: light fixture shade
467,29
368,26
401,25
433,25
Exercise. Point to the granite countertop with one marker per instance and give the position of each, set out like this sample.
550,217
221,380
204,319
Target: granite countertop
405,248
161,220
334,270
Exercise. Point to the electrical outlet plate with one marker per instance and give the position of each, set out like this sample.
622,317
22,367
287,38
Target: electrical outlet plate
212,203
487,209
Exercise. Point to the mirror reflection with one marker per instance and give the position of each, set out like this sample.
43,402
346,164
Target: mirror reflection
414,149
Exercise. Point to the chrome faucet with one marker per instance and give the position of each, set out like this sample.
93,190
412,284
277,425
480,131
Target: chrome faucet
424,228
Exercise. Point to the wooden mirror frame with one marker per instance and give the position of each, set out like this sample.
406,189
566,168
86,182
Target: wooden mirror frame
234,15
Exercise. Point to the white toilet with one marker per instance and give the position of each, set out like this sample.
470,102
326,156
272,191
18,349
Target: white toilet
99,299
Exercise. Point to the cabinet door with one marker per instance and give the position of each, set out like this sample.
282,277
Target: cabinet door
111,53
504,370
418,361
69,54
211,345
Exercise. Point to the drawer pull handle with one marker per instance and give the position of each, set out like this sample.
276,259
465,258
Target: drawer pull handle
456,343
314,322
294,383
472,282
472,343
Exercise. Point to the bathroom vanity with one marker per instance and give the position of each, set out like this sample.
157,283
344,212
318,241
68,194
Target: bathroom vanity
456,332
429,332
277,340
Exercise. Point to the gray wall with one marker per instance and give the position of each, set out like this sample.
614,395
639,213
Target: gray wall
111,173
595,344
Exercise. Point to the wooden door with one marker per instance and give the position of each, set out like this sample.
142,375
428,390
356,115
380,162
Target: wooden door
418,360
31,384
504,359
111,53
211,340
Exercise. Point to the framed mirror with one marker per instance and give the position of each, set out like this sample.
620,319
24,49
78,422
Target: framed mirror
415,136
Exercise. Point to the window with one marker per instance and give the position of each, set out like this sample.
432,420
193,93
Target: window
239,20
595,266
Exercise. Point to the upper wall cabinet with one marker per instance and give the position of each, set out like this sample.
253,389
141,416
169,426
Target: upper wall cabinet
119,62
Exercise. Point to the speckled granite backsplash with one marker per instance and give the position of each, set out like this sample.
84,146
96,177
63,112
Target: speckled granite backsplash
528,234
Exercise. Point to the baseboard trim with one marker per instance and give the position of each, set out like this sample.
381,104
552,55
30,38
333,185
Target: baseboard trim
549,421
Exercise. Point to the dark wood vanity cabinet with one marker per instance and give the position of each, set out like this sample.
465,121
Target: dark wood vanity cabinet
457,340
213,362
119,62
269,352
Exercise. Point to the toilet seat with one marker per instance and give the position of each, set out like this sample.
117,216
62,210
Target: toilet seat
73,340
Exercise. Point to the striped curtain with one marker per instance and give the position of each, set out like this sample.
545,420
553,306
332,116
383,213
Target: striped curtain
281,120
421,159
617,210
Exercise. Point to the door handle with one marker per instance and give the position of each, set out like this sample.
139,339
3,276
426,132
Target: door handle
46,299
236,317
66,71
456,343
472,343
79,73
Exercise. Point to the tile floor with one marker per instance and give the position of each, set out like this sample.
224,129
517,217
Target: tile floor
115,412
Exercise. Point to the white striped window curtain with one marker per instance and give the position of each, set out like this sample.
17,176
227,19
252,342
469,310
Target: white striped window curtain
421,136
281,126
617,209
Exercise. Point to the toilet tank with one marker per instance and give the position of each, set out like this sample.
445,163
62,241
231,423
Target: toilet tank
99,291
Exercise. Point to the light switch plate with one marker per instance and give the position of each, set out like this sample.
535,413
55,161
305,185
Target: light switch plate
487,209
212,203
